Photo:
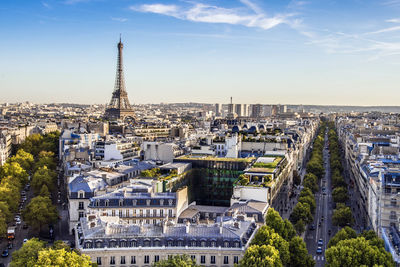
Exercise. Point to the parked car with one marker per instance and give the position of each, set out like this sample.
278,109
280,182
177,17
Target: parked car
319,250
312,227
10,245
25,240
320,242
5,253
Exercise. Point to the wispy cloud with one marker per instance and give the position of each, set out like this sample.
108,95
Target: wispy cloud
393,20
391,3
46,5
253,16
120,19
385,30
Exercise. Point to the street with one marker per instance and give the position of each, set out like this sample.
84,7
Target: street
323,214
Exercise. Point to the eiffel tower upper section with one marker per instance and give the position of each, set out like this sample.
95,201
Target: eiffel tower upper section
119,107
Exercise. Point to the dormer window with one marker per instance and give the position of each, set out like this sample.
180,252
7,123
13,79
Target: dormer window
81,194
148,202
121,202
97,203
107,203
161,202
134,202
170,202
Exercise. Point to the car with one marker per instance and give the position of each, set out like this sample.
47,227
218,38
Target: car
18,222
312,227
10,245
319,250
319,223
322,218
320,242
25,240
5,253
329,232
17,217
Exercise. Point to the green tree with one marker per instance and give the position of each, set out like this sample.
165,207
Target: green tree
344,233
357,252
5,211
267,236
24,159
44,191
27,255
342,216
306,192
40,211
282,227
315,167
373,238
46,158
62,258
3,226
310,201
300,226
13,169
298,253
339,194
32,144
176,261
261,256
301,212
9,193
311,181
43,176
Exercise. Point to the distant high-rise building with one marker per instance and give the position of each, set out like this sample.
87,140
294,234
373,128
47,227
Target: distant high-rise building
119,107
256,111
241,110
218,109
231,110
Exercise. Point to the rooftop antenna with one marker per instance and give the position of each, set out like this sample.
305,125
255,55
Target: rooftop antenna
231,100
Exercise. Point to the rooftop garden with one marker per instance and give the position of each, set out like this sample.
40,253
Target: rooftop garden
255,181
268,165
157,173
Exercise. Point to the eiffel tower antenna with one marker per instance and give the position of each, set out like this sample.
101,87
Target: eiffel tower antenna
119,107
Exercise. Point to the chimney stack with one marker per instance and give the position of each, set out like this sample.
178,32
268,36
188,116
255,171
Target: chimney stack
187,227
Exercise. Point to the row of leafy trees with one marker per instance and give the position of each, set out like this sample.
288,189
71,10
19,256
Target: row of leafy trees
304,211
342,214
347,248
36,155
35,253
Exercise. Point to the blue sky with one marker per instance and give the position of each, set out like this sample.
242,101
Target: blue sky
343,52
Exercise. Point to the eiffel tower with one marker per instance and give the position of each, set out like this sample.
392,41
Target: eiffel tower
119,107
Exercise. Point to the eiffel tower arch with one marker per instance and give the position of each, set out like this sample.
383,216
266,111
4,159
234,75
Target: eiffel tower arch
119,107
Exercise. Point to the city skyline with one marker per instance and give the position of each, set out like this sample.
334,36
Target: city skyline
288,52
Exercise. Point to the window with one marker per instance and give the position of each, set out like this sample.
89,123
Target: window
169,243
88,245
147,243
134,202
122,244
97,203
112,260
98,244
122,259
134,243
237,244
121,202
81,214
226,260
226,244
148,202
81,194
193,257
81,206
113,213
133,259
127,213
170,213
98,260
202,259
147,259
107,202
156,258
193,243
161,213
120,213
156,243
147,213
213,243
212,260
203,243
141,213
170,202
180,243
235,259
161,202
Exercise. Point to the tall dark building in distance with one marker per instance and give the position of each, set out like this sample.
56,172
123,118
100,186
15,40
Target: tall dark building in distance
119,107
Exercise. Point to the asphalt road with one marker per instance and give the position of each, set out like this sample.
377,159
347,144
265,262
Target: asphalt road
323,214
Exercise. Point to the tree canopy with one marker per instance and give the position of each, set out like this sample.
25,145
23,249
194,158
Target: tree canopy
40,211
176,261
261,256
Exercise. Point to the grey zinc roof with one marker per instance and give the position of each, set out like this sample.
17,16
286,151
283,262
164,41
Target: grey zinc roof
86,183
